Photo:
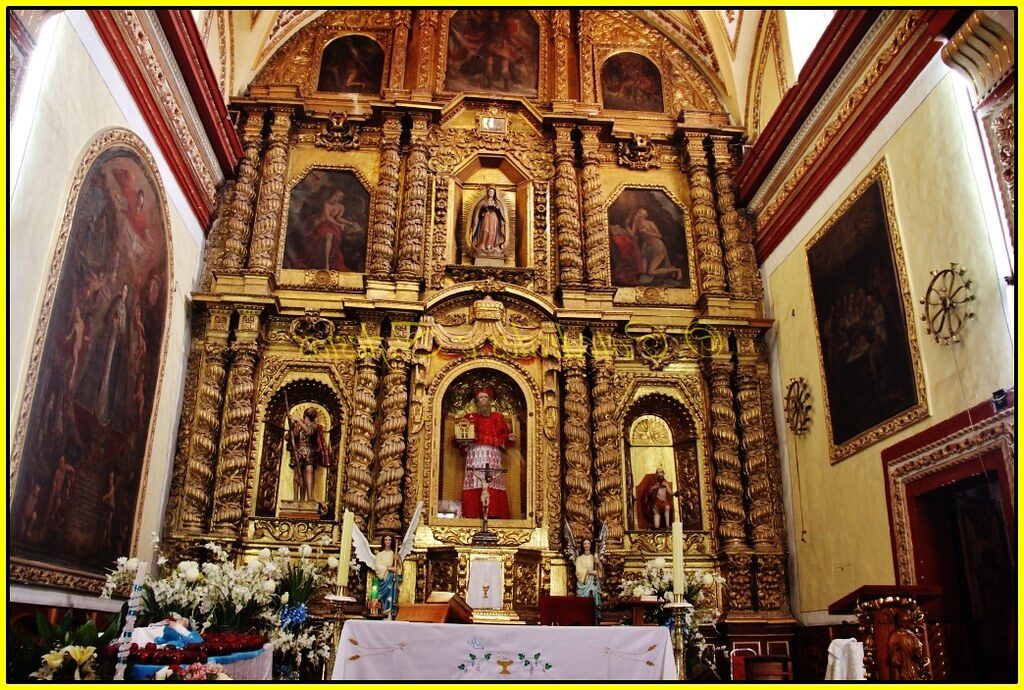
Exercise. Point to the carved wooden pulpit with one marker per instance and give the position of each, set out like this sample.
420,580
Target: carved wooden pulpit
892,628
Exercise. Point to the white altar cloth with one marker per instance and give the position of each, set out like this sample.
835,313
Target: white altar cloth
402,651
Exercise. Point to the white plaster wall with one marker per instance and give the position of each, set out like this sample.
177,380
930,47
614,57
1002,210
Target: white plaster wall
80,94
836,515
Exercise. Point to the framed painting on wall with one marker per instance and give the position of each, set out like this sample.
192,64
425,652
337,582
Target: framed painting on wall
647,240
868,352
493,50
80,457
630,81
328,216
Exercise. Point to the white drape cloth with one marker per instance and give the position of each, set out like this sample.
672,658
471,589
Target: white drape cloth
485,573
845,660
403,651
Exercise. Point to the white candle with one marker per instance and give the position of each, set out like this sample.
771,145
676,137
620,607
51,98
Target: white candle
134,602
678,576
347,523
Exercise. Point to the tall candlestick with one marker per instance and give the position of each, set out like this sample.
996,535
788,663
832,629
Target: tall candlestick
347,523
678,575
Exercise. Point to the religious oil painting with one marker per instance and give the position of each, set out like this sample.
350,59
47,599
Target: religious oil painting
328,214
647,240
493,50
482,460
88,427
352,64
869,363
630,81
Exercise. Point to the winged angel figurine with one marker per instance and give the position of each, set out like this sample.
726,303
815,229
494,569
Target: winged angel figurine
386,564
589,569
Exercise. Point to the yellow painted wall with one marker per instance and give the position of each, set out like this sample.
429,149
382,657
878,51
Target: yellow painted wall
839,513
74,106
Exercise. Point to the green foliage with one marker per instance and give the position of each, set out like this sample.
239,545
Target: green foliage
299,583
86,635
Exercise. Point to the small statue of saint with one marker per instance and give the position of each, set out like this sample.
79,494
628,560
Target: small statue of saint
491,435
490,225
656,504
309,450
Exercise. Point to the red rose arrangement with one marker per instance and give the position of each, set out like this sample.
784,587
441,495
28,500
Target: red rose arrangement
213,644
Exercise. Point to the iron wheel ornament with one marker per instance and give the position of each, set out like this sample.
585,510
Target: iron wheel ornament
947,304
798,406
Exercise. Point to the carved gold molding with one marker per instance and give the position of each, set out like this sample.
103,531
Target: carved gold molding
996,433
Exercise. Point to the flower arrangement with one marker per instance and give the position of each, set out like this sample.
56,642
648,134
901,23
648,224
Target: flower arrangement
192,672
699,585
267,595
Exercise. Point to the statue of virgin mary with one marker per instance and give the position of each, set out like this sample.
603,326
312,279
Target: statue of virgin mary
490,224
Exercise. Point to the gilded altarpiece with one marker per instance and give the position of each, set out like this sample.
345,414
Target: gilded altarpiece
393,357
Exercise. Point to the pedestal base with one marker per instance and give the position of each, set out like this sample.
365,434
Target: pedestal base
485,538
300,510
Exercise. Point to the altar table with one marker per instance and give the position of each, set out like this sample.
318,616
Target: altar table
403,651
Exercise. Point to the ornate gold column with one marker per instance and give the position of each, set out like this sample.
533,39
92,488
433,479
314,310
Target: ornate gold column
360,444
567,210
394,424
399,50
755,463
606,448
576,424
588,95
236,430
705,230
595,222
560,22
740,267
262,255
206,425
385,212
725,455
428,21
216,238
414,209
183,442
239,209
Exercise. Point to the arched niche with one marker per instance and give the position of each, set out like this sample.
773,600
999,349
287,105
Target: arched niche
276,478
513,199
659,432
457,489
631,81
352,64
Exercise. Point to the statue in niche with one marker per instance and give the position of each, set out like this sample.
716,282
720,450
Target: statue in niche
484,435
308,449
483,450
489,229
656,500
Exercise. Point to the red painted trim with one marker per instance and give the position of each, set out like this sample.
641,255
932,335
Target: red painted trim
949,475
167,142
840,39
187,46
843,146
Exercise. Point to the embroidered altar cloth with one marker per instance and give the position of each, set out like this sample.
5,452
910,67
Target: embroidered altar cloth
403,651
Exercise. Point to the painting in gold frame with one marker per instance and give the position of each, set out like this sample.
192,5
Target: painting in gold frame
867,349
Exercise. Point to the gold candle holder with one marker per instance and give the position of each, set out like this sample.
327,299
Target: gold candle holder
681,611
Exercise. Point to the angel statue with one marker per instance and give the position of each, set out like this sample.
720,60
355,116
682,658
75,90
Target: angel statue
589,569
386,564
